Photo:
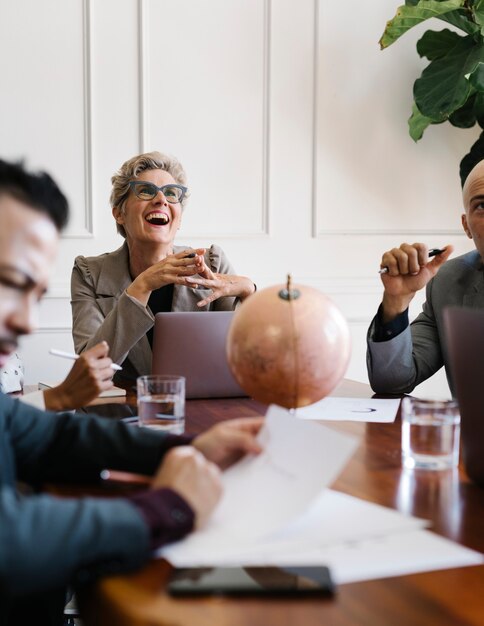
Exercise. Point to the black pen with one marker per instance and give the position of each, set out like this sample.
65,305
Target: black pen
432,252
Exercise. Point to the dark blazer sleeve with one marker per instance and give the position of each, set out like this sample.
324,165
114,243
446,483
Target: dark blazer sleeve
398,365
47,542
64,447
401,363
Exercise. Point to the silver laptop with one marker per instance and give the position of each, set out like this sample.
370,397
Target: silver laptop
192,344
464,329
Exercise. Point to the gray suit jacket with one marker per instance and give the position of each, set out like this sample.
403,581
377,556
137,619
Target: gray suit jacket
102,310
400,364
47,542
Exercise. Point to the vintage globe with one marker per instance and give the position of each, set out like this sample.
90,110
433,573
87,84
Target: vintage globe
288,345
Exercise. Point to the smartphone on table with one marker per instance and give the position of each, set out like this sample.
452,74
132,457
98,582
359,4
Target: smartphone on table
252,581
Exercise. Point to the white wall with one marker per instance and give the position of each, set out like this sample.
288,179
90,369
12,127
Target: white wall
290,122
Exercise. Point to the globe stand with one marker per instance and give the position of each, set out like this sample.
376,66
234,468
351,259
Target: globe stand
288,293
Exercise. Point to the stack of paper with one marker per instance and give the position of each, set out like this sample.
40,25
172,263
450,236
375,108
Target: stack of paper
276,510
109,393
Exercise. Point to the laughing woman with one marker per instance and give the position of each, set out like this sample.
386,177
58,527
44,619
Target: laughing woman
116,295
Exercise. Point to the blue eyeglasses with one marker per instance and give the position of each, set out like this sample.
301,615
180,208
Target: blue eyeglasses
148,191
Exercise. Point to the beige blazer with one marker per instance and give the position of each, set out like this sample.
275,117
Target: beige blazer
102,310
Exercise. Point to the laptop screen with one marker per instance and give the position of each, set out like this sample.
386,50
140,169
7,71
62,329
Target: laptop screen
464,330
192,344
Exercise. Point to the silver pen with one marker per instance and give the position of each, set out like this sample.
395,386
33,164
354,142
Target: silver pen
432,252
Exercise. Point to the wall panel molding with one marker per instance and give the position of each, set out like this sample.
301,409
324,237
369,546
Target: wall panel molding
143,72
145,126
44,329
266,103
314,165
88,232
400,232
319,216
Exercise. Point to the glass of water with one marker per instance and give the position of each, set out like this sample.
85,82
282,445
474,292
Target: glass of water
430,433
161,403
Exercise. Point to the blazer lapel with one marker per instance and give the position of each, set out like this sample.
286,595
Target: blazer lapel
114,276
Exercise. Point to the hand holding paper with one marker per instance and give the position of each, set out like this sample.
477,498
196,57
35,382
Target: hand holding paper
264,492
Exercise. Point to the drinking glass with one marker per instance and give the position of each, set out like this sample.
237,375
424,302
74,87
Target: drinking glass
430,433
161,402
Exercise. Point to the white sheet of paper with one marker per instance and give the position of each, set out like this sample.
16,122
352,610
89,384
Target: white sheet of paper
352,409
356,539
257,521
329,521
394,554
264,492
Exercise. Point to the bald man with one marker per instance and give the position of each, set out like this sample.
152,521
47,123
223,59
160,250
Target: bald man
401,356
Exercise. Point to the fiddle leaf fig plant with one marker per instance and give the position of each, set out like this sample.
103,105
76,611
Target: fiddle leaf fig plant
451,87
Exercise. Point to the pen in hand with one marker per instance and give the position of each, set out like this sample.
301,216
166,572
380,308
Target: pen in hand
432,252
70,355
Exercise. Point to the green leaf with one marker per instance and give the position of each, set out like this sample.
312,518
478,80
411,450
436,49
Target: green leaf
465,117
478,12
476,79
409,16
444,85
436,44
417,123
460,20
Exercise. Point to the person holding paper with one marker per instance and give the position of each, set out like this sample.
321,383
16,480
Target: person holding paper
47,542
115,295
399,355
90,375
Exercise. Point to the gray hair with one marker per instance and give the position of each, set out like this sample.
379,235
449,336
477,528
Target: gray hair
132,168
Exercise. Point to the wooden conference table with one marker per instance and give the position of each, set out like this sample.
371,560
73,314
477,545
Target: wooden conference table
443,598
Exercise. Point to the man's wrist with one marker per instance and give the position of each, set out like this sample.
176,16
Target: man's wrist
384,332
167,515
393,306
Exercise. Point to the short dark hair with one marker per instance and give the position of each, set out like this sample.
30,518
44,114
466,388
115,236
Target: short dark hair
36,189
474,156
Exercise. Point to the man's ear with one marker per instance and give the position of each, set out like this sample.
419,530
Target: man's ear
118,215
465,226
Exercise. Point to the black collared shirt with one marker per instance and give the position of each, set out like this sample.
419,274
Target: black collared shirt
385,332
160,302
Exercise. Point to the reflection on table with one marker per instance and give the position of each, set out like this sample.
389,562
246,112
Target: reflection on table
446,597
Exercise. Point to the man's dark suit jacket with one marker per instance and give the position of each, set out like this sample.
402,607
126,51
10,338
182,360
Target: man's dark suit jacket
46,542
